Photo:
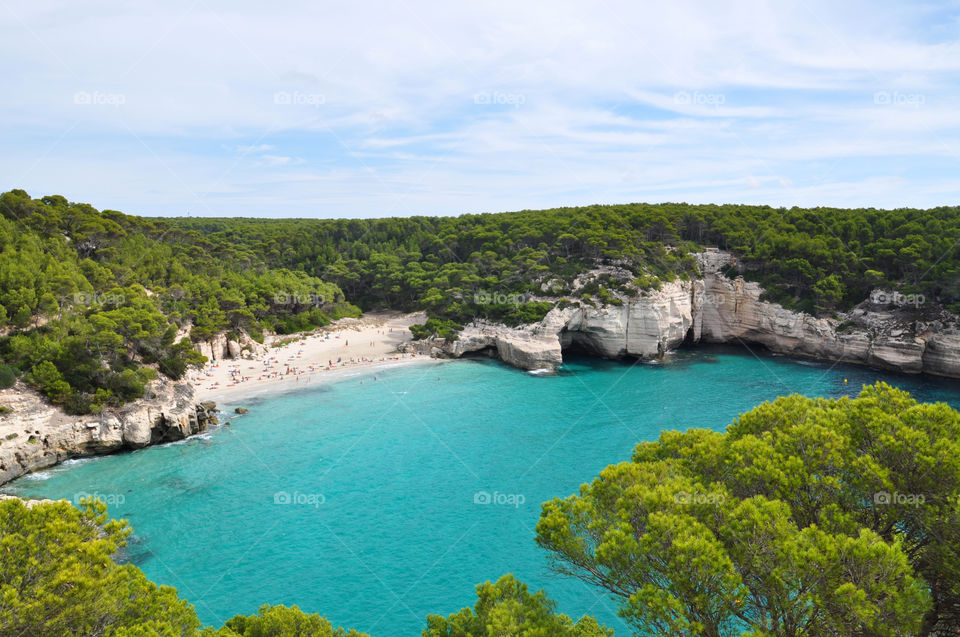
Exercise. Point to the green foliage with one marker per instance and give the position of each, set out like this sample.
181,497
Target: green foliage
792,252
457,267
95,299
435,327
99,293
808,517
508,608
280,621
443,263
57,577
8,376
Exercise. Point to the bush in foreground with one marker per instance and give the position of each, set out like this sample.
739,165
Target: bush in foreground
509,608
807,517
58,577
280,621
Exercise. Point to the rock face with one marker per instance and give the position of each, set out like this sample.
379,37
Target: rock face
36,435
646,327
220,347
881,332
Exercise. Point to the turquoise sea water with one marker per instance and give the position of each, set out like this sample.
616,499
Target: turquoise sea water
356,499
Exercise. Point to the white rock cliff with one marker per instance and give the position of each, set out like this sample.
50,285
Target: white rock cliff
716,309
36,435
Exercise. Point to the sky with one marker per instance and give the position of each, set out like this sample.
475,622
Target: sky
371,109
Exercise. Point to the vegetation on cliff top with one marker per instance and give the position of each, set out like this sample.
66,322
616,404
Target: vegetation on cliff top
92,303
807,517
826,258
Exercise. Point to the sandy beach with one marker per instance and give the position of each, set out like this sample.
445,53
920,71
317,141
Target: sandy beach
344,348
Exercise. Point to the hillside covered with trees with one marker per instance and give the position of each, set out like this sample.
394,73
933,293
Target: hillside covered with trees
818,260
95,304
91,303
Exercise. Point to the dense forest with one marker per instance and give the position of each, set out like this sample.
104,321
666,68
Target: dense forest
95,304
818,260
92,303
806,518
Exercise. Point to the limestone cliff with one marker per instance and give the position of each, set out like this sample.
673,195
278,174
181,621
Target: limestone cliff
35,434
220,347
716,309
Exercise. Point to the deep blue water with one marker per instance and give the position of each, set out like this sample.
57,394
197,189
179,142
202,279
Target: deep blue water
382,527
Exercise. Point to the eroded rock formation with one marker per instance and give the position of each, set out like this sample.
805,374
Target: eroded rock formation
35,434
716,309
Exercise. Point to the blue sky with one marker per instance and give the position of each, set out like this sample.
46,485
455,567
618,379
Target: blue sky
396,108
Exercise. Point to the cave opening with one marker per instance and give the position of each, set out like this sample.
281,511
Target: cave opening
577,344
486,352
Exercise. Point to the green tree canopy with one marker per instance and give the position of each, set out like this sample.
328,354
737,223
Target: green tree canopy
57,577
807,517
508,608
280,621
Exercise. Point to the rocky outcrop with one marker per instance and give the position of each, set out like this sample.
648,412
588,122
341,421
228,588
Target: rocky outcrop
220,347
882,332
26,502
646,327
35,435
878,332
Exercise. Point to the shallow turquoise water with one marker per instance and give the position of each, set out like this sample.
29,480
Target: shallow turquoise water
382,528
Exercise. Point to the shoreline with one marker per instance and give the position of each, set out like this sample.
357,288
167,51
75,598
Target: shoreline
292,361
238,395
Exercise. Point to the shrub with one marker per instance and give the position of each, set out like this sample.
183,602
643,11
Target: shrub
8,376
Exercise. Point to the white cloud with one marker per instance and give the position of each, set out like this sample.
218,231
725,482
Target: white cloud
371,108
279,160
254,148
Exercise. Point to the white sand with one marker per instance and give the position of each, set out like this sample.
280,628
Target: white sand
309,358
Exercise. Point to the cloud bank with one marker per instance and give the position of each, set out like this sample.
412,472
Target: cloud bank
398,108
